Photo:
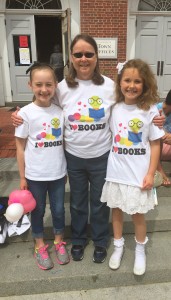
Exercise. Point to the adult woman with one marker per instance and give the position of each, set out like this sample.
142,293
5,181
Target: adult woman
86,98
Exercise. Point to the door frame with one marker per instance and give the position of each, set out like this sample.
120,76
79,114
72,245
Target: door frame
75,29
18,72
133,13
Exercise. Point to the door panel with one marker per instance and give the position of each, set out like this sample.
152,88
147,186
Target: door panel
153,45
66,37
148,41
21,53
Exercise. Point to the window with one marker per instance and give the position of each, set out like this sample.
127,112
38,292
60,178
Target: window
154,5
33,4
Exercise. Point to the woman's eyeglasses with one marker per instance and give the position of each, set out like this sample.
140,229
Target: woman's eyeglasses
81,54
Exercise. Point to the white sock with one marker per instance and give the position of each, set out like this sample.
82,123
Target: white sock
115,259
140,258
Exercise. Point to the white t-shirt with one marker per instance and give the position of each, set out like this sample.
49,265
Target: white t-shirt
132,130
44,154
87,110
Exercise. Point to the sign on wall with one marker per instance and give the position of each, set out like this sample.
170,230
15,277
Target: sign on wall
107,47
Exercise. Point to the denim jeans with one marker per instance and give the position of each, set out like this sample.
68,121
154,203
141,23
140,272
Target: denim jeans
56,192
85,173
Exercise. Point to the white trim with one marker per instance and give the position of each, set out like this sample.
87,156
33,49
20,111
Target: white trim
131,29
151,13
5,67
56,12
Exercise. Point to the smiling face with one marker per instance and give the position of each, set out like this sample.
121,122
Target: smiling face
43,85
83,66
131,85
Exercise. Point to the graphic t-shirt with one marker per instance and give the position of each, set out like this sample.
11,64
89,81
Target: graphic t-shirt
132,130
44,154
86,110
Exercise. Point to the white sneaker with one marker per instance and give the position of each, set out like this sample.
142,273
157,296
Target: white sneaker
115,259
140,263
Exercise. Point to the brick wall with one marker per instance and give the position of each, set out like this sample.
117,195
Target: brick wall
106,18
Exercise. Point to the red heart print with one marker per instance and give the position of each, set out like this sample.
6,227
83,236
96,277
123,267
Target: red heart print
40,144
79,103
115,149
74,126
120,124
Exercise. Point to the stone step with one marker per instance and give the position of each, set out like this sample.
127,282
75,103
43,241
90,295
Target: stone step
158,220
9,168
20,275
9,178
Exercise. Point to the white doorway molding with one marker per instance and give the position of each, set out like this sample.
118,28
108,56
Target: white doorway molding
131,28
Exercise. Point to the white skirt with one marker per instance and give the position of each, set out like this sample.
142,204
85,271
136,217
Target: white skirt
129,199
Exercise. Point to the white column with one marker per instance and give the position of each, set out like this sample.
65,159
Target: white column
75,15
6,85
131,29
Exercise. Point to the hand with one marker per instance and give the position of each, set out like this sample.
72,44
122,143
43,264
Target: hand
23,184
159,120
17,120
148,182
167,138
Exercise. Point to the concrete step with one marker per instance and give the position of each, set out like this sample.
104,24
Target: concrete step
20,275
158,220
9,178
158,291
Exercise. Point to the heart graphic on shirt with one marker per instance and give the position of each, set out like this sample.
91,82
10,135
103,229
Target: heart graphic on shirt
79,103
85,105
124,127
115,149
74,126
40,144
120,124
44,124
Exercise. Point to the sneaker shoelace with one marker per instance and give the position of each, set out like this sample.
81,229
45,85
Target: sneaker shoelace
43,252
60,247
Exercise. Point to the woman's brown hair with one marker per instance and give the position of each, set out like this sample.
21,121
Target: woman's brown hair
97,78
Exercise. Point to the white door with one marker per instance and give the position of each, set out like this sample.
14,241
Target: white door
153,44
21,53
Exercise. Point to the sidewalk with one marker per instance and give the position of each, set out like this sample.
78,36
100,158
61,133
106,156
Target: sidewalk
7,139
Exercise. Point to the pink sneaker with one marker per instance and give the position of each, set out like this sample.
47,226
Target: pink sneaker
61,253
42,257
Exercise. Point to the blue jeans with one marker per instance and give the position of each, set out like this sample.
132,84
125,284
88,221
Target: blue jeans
56,192
82,174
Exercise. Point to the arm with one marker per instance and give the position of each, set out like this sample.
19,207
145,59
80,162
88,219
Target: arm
20,145
159,120
17,120
154,158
